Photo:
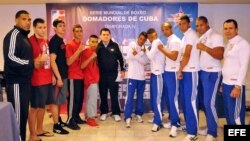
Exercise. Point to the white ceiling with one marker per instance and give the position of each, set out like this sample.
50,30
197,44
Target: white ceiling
121,1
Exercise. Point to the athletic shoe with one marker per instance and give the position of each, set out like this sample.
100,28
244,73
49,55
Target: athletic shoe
139,118
173,131
78,120
128,120
63,124
202,132
117,118
73,125
103,117
167,125
91,122
57,128
190,138
155,128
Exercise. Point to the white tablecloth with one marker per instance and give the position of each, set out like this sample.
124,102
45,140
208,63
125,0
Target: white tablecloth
9,130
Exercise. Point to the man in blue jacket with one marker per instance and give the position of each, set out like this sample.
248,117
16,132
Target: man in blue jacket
108,56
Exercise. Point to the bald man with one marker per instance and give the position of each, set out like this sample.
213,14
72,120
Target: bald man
170,81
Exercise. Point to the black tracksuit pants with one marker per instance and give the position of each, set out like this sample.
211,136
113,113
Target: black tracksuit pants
107,82
19,95
75,98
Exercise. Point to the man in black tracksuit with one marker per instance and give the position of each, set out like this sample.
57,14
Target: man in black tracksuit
18,68
108,55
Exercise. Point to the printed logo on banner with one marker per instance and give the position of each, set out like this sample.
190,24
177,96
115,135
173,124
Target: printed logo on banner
232,132
176,16
125,21
57,14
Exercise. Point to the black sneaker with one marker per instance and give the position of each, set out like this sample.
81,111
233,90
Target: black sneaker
63,124
73,125
78,120
57,128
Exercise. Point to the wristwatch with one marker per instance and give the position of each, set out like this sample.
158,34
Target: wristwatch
237,86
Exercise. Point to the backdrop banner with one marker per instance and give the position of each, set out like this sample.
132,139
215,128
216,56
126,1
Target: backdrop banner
125,21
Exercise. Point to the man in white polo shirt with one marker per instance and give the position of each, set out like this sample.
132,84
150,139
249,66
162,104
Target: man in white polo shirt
211,46
171,83
157,63
137,59
188,75
234,70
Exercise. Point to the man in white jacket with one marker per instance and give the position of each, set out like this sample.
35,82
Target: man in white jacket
234,70
137,59
188,75
211,46
170,81
157,63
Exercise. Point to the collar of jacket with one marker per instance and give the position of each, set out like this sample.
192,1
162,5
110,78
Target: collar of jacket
24,32
110,42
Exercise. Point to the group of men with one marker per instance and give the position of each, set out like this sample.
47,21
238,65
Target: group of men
51,73
181,67
43,72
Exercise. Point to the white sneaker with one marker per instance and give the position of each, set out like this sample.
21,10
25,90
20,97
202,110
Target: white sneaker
167,125
139,119
151,120
210,138
173,131
128,120
190,138
155,128
103,117
117,118
202,132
